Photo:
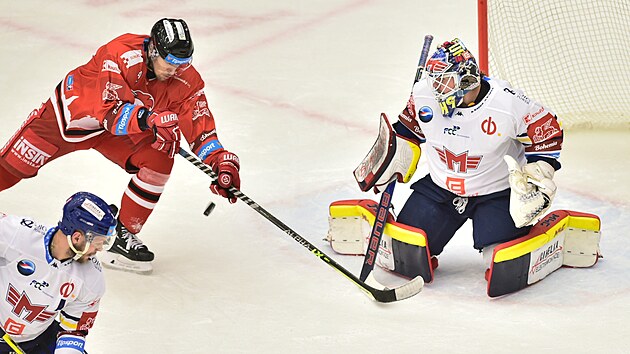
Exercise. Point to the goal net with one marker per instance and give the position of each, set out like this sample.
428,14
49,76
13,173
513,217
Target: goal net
573,56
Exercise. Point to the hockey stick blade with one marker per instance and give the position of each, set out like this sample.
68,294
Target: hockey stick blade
381,294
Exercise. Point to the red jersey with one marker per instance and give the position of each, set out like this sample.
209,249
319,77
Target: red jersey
105,94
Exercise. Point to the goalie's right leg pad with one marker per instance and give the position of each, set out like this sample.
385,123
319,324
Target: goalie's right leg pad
403,249
562,238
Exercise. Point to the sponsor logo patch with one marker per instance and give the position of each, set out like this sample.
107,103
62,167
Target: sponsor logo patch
425,114
26,267
29,152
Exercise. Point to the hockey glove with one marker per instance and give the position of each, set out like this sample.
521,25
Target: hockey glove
532,190
226,165
165,128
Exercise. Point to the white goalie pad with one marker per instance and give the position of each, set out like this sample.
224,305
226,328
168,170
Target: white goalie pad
391,157
350,225
350,234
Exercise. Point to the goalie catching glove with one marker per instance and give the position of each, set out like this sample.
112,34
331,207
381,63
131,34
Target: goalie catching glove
226,165
392,157
532,190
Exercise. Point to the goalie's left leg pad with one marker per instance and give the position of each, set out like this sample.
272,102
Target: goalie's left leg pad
562,238
403,249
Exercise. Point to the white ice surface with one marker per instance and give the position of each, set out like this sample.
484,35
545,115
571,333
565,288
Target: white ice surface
297,88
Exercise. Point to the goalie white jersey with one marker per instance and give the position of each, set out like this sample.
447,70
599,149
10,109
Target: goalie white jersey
465,152
36,288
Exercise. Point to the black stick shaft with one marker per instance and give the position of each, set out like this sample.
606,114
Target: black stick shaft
386,295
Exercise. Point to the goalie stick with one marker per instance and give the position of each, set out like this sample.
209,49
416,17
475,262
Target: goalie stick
386,198
9,341
404,291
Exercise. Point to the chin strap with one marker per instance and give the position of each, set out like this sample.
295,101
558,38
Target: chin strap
78,254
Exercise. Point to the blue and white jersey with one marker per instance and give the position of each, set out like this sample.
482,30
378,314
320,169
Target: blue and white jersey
36,289
465,152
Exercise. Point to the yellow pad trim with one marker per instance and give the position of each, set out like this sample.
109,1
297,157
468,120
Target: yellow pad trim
532,243
393,229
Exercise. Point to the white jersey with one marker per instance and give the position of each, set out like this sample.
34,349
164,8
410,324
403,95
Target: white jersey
465,152
36,288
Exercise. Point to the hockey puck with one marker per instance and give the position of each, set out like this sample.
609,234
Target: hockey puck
209,209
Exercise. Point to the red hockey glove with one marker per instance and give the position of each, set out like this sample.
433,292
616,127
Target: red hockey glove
226,165
165,128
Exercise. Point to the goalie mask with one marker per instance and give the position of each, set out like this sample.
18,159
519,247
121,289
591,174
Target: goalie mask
452,73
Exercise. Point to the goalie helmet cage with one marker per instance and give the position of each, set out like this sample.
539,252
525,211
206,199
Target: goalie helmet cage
571,56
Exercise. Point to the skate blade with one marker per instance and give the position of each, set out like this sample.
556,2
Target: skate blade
118,262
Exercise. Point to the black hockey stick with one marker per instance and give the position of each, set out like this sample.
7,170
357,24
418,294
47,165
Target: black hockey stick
386,198
407,290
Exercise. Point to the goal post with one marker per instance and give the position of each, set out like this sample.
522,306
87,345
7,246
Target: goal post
573,56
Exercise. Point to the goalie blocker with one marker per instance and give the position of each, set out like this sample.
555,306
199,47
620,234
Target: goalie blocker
562,238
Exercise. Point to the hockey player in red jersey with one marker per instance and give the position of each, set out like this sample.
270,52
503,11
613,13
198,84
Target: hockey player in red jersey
131,102
51,282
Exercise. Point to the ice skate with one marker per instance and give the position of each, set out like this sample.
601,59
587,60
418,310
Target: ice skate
128,253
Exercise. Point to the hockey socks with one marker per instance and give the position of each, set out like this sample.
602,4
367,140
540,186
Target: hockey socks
562,238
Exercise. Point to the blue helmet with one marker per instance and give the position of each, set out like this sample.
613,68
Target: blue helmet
88,213
452,73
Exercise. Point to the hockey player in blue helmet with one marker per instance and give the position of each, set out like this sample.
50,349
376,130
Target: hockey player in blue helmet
86,214
452,73
51,272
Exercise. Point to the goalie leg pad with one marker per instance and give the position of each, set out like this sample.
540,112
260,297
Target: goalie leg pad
562,238
403,249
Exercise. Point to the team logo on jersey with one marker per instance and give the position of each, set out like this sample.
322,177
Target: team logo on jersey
26,267
200,110
425,113
25,309
458,163
544,131
86,321
110,93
